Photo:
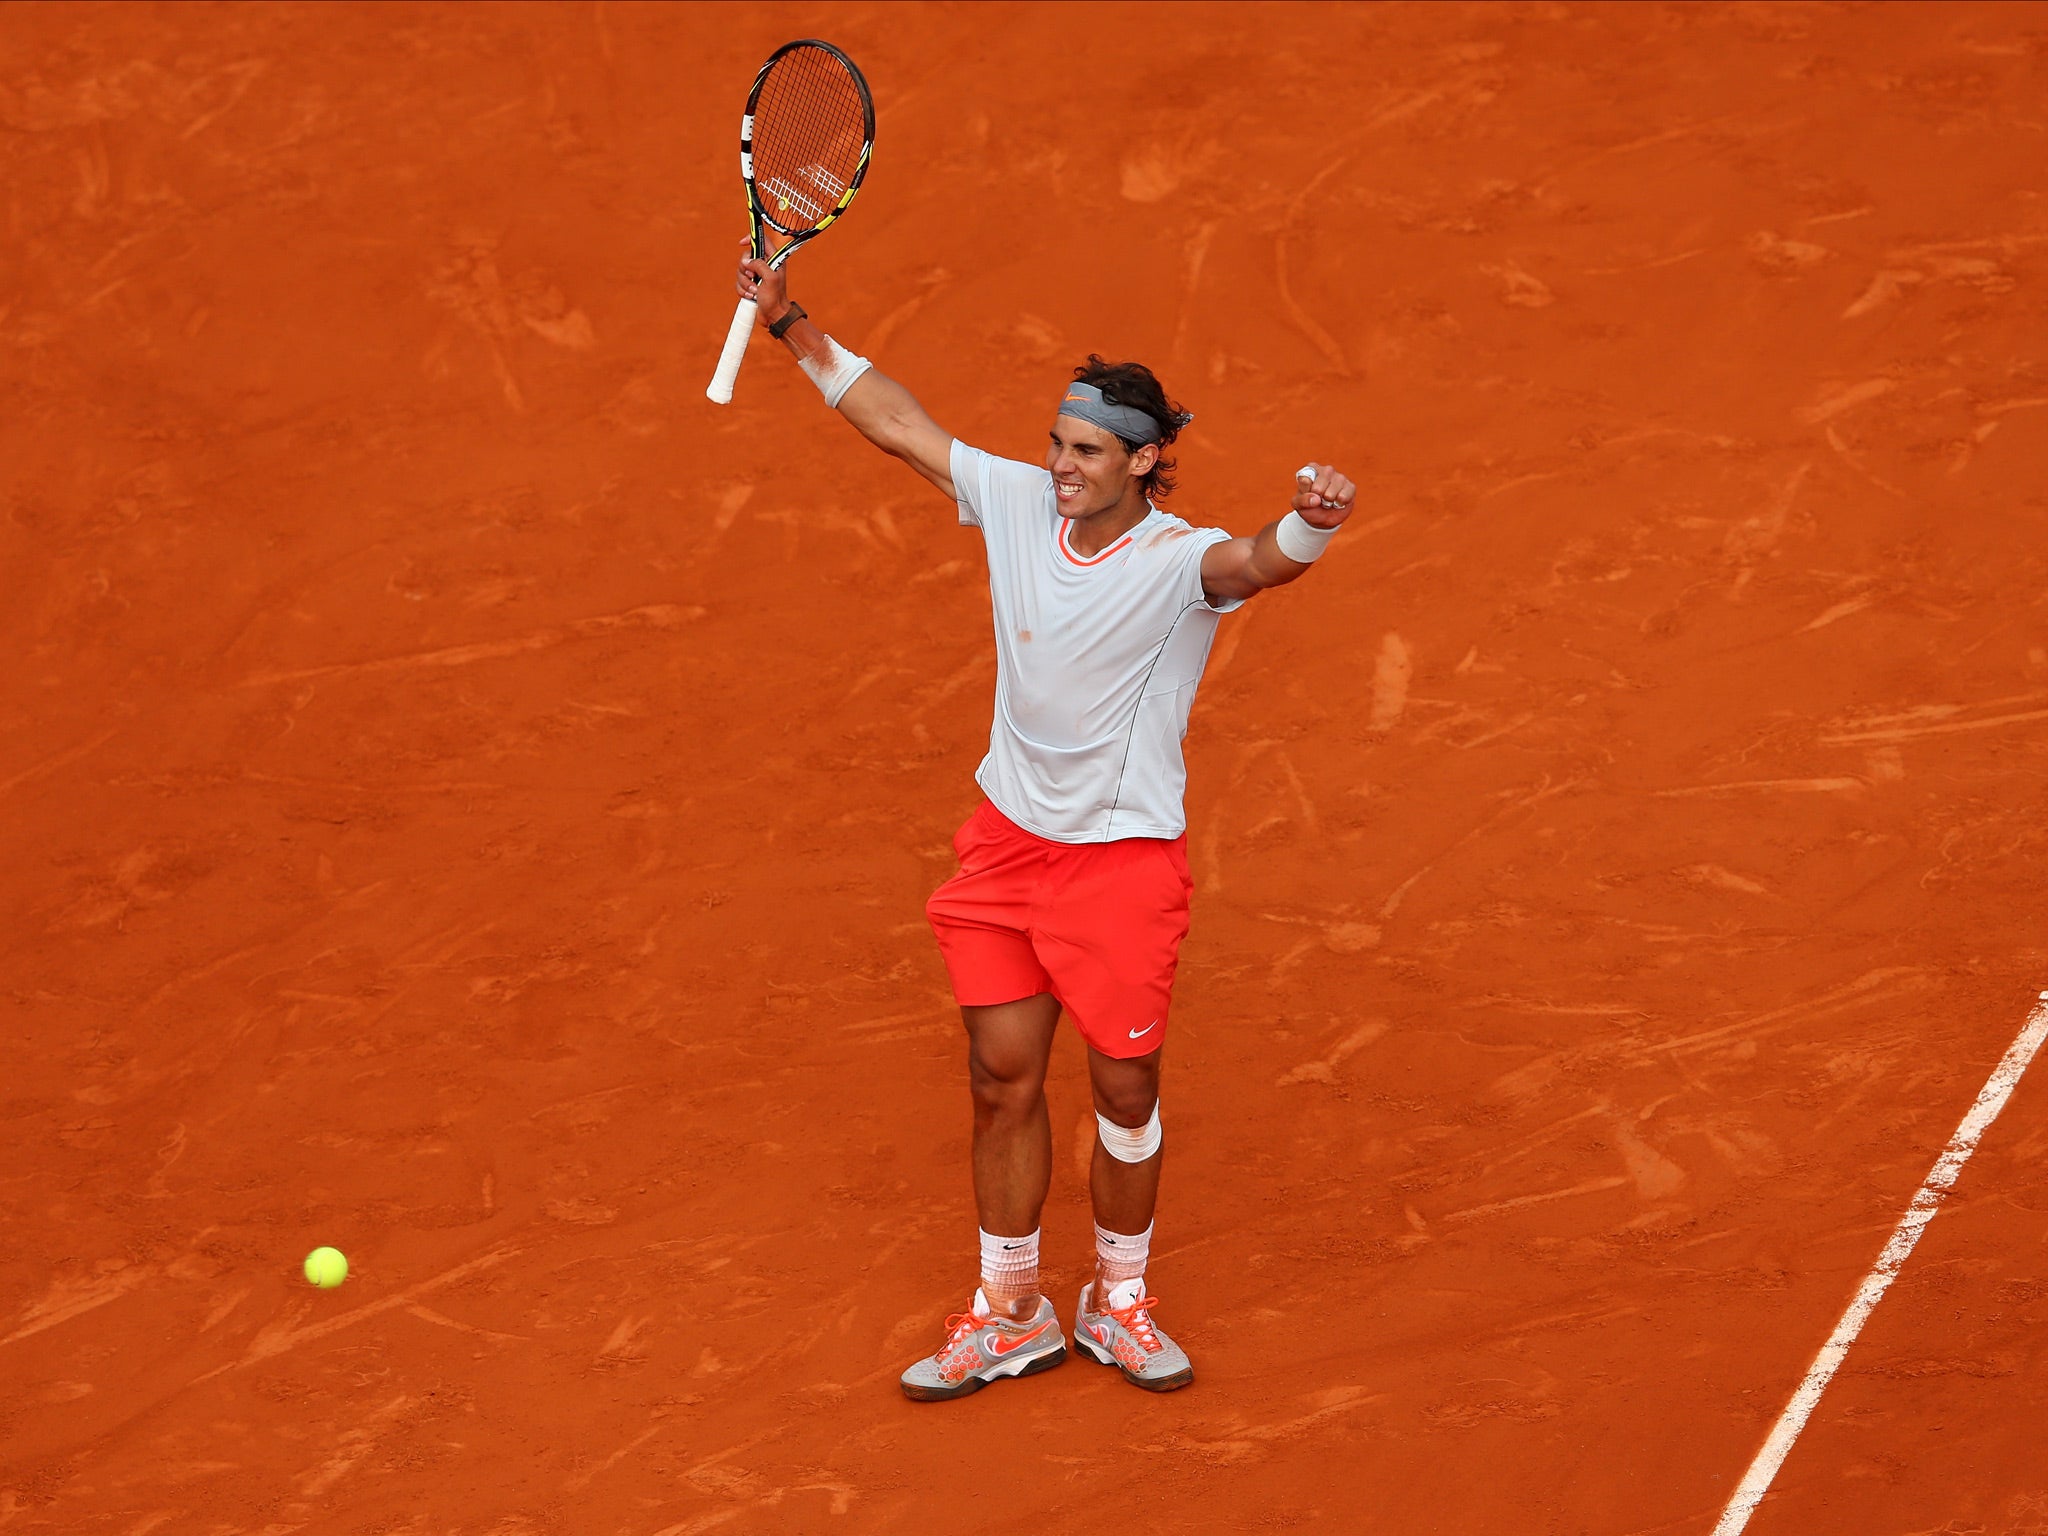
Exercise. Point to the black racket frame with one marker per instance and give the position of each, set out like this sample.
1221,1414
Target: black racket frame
759,218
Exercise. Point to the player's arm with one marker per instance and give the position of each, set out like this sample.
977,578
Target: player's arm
880,409
1283,550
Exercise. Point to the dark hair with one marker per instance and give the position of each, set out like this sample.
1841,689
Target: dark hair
1134,385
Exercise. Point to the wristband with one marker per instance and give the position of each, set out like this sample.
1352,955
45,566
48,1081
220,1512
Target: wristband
790,316
1301,540
833,369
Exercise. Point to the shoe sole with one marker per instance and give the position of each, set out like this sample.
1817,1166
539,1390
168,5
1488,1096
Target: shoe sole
973,1384
1101,1356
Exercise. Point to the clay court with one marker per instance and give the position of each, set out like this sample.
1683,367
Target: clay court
466,799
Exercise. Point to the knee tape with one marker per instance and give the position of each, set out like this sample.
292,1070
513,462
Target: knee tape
1127,1145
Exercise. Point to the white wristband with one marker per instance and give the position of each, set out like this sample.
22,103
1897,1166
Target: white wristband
833,370
1301,540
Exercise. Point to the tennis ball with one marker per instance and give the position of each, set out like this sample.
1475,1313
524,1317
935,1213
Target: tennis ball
326,1268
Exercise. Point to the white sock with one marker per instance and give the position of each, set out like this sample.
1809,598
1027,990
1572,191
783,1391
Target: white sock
1123,1294
1009,1266
1119,1257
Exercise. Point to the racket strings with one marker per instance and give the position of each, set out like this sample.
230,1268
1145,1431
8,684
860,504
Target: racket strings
810,126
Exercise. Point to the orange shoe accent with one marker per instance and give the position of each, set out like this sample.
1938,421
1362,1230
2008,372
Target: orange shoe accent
955,1362
1002,1343
1127,1338
1139,1322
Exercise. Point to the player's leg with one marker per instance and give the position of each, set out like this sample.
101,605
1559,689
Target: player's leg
1008,1047
1112,947
980,918
1113,1320
1010,1330
1124,1193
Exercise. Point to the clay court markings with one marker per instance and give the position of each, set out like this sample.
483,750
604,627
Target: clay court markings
1926,1203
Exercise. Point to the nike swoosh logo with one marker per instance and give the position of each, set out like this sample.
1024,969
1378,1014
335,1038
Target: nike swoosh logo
1002,1344
1139,1034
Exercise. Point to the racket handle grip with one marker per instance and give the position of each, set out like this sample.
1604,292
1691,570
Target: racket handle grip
720,390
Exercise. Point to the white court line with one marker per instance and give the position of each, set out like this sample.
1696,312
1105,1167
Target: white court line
2004,1078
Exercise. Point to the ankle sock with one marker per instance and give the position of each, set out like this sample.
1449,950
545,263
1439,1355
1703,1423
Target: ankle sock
1119,1257
1009,1266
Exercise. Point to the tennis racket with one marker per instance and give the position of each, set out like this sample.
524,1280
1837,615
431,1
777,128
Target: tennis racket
804,147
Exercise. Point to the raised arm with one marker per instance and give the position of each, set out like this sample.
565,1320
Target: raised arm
880,409
1279,553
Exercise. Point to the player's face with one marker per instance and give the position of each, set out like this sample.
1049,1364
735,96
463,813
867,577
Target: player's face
1091,472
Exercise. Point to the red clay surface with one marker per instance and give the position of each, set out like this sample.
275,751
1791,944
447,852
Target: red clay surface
468,800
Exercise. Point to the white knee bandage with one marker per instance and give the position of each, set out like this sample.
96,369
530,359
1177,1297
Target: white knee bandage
1127,1145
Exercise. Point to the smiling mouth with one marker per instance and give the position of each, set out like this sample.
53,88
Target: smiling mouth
1068,492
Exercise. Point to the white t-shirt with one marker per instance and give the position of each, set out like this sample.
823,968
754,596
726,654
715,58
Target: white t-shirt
1097,659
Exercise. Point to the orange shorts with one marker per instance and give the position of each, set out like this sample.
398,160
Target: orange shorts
1098,925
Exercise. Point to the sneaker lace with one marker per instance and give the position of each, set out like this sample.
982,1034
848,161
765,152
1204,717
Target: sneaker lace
1138,1323
961,1324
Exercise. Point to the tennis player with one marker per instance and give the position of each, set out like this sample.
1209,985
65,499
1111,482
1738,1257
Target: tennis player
1072,892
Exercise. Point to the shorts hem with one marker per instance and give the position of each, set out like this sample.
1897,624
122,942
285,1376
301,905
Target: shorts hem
1158,1044
997,1002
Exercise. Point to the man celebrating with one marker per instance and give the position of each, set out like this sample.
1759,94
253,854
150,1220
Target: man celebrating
1073,885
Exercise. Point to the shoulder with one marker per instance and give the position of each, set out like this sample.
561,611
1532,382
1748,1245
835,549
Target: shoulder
988,477
1168,537
1191,557
966,455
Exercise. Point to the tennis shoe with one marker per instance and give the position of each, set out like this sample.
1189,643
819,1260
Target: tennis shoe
1123,1334
981,1348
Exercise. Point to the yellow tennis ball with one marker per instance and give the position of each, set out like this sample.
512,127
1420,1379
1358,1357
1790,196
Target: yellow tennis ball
326,1268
